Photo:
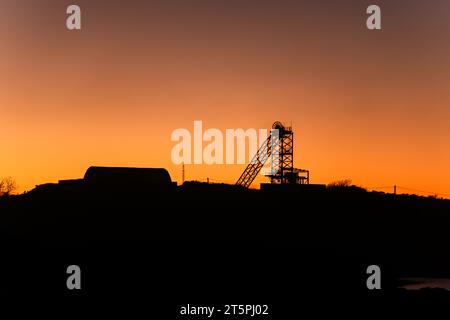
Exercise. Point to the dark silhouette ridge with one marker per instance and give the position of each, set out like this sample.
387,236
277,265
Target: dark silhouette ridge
224,241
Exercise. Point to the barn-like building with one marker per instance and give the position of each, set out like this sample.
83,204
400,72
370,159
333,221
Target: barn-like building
116,180
127,179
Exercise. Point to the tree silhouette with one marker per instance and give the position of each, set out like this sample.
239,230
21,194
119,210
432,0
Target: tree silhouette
340,184
7,186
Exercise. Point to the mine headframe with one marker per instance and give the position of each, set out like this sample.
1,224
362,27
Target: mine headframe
279,148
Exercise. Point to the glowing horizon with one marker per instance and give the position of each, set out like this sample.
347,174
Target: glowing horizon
370,106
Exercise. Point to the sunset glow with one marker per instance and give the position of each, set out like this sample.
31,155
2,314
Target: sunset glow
371,106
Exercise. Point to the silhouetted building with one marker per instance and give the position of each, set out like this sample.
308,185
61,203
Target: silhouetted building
127,179
292,187
114,179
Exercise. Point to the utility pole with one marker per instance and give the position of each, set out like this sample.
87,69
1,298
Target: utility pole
395,189
182,174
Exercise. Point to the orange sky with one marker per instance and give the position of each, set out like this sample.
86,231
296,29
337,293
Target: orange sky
372,106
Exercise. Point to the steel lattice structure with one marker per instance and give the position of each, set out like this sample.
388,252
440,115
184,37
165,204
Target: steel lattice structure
282,157
258,161
279,147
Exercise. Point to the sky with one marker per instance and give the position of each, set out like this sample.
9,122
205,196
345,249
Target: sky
370,106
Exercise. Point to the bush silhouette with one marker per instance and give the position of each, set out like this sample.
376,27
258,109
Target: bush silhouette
7,186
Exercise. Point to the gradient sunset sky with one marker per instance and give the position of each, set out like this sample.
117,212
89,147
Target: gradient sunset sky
371,106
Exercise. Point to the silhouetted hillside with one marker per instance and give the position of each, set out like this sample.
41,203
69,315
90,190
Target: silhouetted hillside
259,243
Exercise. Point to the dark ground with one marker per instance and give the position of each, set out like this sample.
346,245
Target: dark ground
213,245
